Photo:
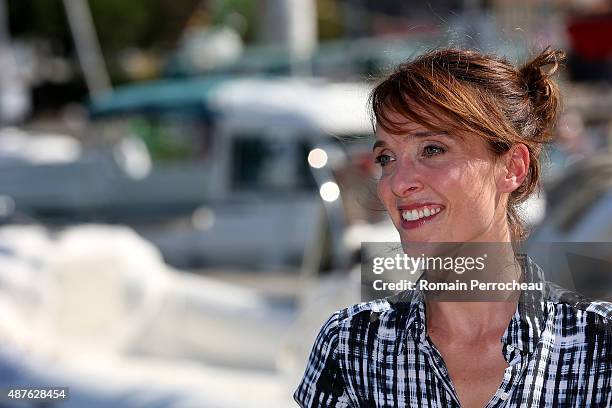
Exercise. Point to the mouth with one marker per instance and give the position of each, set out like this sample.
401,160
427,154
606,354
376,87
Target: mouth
415,216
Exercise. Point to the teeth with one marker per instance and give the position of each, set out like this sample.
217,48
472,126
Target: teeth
414,215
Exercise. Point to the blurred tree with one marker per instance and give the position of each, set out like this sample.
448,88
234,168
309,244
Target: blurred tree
141,23
119,24
150,25
329,20
42,18
240,14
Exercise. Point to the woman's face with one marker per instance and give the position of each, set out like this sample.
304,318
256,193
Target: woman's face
440,187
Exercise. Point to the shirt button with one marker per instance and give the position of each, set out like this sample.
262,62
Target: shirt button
510,347
504,396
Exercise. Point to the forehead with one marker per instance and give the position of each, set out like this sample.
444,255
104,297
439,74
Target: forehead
397,124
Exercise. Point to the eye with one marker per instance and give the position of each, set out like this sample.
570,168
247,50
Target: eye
432,150
383,159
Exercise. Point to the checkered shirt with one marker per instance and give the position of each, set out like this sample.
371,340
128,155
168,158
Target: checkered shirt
558,346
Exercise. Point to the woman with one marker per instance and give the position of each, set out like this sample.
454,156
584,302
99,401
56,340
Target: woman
458,140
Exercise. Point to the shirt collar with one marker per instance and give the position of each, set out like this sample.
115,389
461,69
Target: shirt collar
527,323
523,331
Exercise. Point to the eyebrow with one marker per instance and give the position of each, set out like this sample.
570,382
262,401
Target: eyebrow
381,143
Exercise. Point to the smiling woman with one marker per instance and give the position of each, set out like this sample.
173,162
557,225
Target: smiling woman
458,140
483,104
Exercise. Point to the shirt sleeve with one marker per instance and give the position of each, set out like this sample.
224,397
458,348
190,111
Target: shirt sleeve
322,384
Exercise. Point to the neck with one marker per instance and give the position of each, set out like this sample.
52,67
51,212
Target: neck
480,313
469,320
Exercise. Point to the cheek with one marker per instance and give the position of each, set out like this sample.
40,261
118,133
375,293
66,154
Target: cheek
448,182
385,195
477,186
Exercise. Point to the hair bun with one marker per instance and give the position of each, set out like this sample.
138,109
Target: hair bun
542,91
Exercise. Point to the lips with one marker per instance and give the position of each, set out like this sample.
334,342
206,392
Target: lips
418,214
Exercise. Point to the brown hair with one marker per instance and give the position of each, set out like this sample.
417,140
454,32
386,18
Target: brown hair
467,91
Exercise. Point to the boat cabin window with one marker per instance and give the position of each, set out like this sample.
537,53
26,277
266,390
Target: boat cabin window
167,136
273,164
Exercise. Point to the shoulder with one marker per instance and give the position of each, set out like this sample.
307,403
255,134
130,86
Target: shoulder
385,318
378,311
574,311
344,318
363,310
359,314
323,382
601,309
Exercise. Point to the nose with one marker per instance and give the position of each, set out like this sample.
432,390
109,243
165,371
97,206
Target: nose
405,180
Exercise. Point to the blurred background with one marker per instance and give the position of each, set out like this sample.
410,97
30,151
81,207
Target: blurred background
185,184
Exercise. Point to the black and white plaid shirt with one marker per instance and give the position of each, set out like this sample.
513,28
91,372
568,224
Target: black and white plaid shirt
558,346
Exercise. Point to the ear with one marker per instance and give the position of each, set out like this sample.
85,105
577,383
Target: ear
516,166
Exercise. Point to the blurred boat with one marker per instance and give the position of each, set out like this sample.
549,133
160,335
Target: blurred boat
213,171
95,309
